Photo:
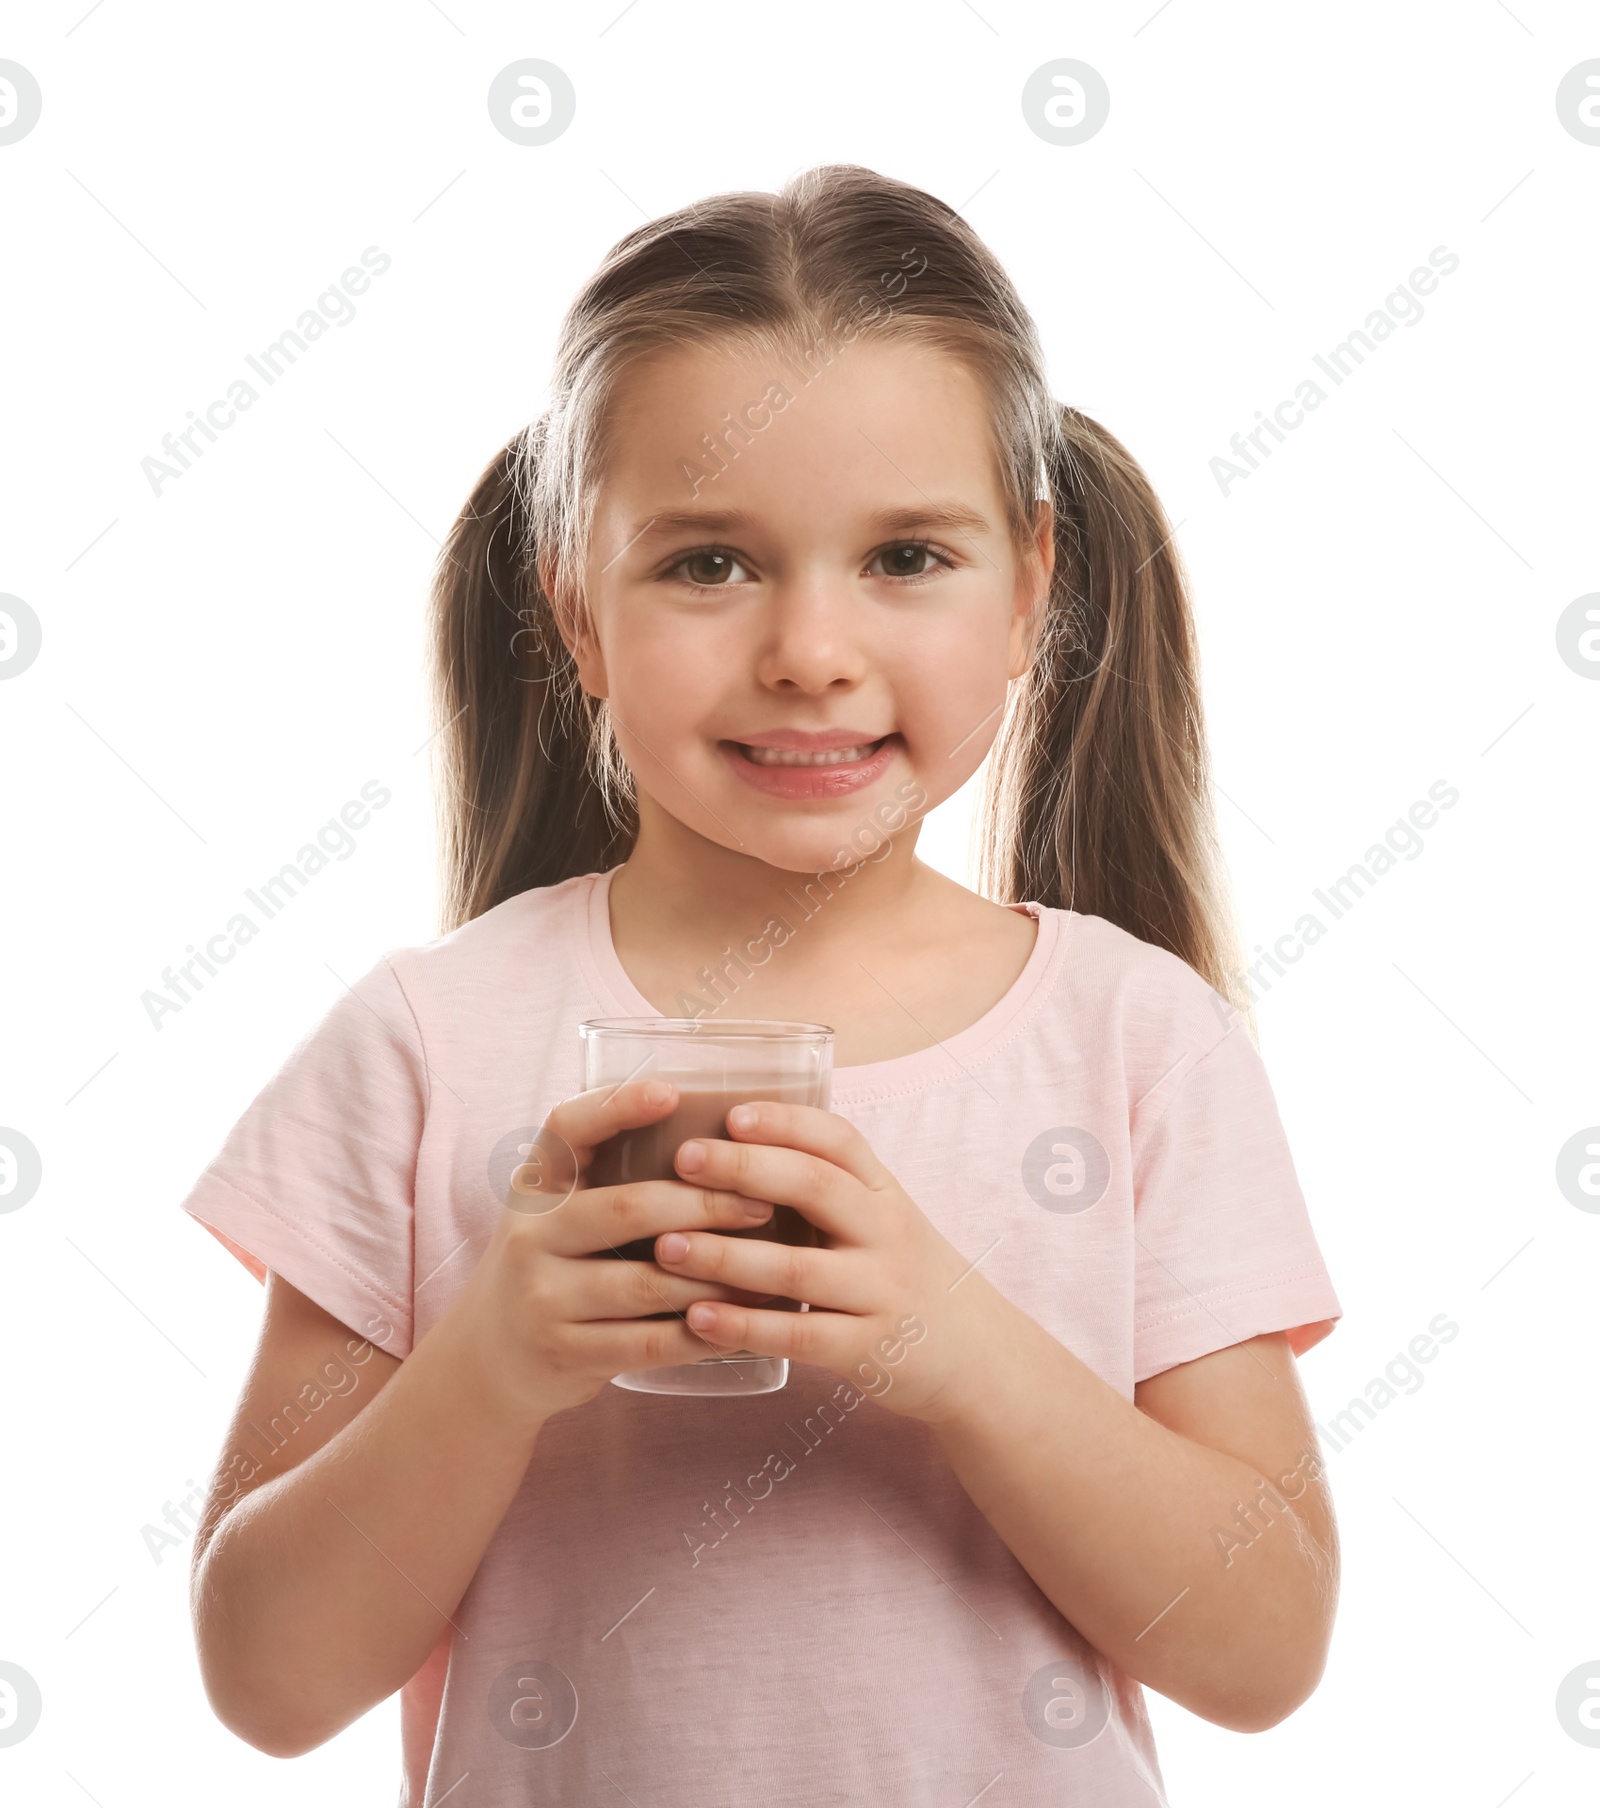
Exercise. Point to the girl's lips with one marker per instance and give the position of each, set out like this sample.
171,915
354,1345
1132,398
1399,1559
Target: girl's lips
798,782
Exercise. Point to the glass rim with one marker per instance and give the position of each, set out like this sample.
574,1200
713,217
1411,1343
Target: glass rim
740,1029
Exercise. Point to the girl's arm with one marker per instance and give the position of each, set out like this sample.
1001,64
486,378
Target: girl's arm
1189,1536
322,1579
1144,1521
325,1572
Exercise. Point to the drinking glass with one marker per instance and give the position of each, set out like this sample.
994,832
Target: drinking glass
715,1066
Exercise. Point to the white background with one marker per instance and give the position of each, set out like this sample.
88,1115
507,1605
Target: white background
226,664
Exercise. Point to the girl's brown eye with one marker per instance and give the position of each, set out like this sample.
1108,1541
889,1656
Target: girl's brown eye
708,568
895,560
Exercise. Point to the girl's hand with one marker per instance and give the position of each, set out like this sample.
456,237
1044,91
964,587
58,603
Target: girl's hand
549,1319
895,1309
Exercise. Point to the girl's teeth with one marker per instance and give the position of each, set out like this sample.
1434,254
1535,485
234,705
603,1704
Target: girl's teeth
785,756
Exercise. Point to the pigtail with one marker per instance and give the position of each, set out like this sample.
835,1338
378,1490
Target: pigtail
1098,791
521,803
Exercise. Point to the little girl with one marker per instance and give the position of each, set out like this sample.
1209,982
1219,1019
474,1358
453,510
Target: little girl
800,537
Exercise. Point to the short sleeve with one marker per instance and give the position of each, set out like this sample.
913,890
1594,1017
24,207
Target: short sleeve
316,1181
1224,1248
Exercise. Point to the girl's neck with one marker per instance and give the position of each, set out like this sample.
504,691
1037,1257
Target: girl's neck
679,893
893,957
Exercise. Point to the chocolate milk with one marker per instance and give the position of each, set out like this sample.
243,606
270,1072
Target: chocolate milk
647,1153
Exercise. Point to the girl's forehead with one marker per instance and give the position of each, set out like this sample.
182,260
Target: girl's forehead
674,373
895,418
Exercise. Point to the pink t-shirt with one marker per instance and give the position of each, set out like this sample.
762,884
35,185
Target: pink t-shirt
784,1598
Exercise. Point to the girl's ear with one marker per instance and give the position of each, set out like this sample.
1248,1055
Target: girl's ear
1032,597
575,633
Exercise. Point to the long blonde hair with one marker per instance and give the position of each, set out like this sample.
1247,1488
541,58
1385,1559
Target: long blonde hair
1097,794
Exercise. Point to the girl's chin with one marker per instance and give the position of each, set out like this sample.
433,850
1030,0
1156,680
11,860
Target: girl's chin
806,859
808,845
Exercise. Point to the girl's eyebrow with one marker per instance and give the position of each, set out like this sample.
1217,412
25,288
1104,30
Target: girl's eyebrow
952,516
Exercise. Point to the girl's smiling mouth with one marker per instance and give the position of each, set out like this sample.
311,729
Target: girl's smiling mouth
791,764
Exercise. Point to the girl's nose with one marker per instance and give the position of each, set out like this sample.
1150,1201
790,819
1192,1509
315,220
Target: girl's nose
810,637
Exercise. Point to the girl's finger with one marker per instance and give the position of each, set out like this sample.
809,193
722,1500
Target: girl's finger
604,1220
815,1132
599,1290
824,1339
645,1344
590,1117
831,1198
821,1277
553,1164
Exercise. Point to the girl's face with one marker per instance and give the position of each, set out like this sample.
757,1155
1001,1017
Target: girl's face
817,629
